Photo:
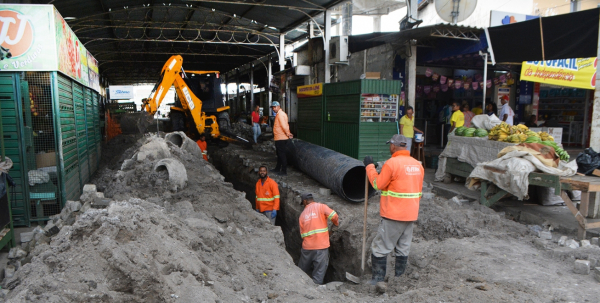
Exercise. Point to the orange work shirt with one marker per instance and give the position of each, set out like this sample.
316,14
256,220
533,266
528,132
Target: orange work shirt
202,145
313,225
401,185
267,195
281,128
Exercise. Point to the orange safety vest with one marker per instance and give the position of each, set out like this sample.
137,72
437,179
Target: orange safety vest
401,185
281,128
267,195
202,146
313,225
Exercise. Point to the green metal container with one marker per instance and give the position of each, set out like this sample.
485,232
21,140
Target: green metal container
310,120
343,130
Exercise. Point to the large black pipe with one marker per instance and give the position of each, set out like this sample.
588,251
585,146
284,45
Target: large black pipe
344,175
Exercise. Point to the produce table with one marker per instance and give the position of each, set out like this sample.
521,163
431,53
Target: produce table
585,184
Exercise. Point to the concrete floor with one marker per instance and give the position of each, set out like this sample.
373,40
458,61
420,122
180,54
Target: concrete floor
527,212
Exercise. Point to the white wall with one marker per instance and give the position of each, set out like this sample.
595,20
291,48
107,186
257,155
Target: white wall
481,15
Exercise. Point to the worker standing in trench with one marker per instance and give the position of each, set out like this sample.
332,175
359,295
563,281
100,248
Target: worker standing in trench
401,184
202,145
267,195
281,134
314,255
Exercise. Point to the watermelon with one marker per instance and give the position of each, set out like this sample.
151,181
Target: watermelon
480,132
469,132
460,131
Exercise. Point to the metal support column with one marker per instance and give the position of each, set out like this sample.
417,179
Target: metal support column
595,125
269,79
227,90
237,90
326,45
411,73
281,52
252,86
485,55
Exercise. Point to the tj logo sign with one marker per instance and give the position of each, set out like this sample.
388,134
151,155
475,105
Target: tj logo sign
16,32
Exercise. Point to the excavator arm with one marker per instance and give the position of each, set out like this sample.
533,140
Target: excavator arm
171,76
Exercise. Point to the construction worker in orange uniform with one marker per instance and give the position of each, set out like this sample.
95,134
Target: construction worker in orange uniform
267,195
314,255
202,144
401,184
281,135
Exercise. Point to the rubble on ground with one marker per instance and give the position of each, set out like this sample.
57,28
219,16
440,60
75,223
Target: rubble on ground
153,242
243,130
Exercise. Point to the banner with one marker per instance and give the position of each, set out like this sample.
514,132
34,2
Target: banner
120,92
39,39
579,73
27,34
312,90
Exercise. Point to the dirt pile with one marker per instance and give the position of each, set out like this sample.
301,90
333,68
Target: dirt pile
243,130
155,242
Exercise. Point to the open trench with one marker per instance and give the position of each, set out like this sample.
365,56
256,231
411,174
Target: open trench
240,167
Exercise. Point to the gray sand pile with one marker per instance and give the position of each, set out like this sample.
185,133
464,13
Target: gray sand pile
156,241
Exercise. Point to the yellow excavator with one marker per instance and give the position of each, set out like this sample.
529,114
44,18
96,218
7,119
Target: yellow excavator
199,101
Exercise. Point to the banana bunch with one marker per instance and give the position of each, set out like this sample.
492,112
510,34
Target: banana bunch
545,136
522,127
532,134
516,138
514,134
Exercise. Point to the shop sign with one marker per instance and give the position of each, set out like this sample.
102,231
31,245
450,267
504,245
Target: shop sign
27,34
121,92
578,73
39,39
498,18
312,90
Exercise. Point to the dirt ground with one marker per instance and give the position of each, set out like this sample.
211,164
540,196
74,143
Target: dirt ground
201,241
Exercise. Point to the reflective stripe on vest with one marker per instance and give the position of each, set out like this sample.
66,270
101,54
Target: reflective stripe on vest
375,184
316,231
331,215
267,199
400,195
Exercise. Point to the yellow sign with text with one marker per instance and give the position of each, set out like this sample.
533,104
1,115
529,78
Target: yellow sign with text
312,90
579,72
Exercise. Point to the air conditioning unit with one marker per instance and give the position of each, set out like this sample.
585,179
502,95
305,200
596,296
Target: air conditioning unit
338,49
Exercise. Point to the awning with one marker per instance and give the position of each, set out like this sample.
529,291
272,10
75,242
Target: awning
573,35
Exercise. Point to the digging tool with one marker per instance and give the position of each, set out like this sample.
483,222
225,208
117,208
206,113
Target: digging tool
364,239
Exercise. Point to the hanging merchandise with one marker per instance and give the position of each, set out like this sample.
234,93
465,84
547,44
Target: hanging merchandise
466,86
478,77
502,78
444,87
488,84
450,81
436,88
496,81
427,89
510,81
428,72
435,76
443,80
457,84
475,85
509,76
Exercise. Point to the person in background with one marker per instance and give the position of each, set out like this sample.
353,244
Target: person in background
468,115
551,121
458,118
256,123
532,121
267,195
281,134
314,255
202,145
407,126
477,110
491,109
506,113
401,185
444,118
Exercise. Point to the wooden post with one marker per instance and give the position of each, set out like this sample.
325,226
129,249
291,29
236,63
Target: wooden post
364,239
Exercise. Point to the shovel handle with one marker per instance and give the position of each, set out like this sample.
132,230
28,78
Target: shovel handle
364,239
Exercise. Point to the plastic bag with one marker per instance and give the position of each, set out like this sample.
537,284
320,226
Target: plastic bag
587,161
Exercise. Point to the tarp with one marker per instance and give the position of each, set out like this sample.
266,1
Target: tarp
573,35
511,172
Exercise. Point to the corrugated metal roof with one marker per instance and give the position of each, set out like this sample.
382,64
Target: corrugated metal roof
133,38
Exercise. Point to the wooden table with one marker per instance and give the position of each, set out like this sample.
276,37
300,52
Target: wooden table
585,184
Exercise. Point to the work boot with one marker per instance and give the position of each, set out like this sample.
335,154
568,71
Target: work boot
400,265
378,268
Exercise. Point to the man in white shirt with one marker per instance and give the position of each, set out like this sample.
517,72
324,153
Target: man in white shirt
506,113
